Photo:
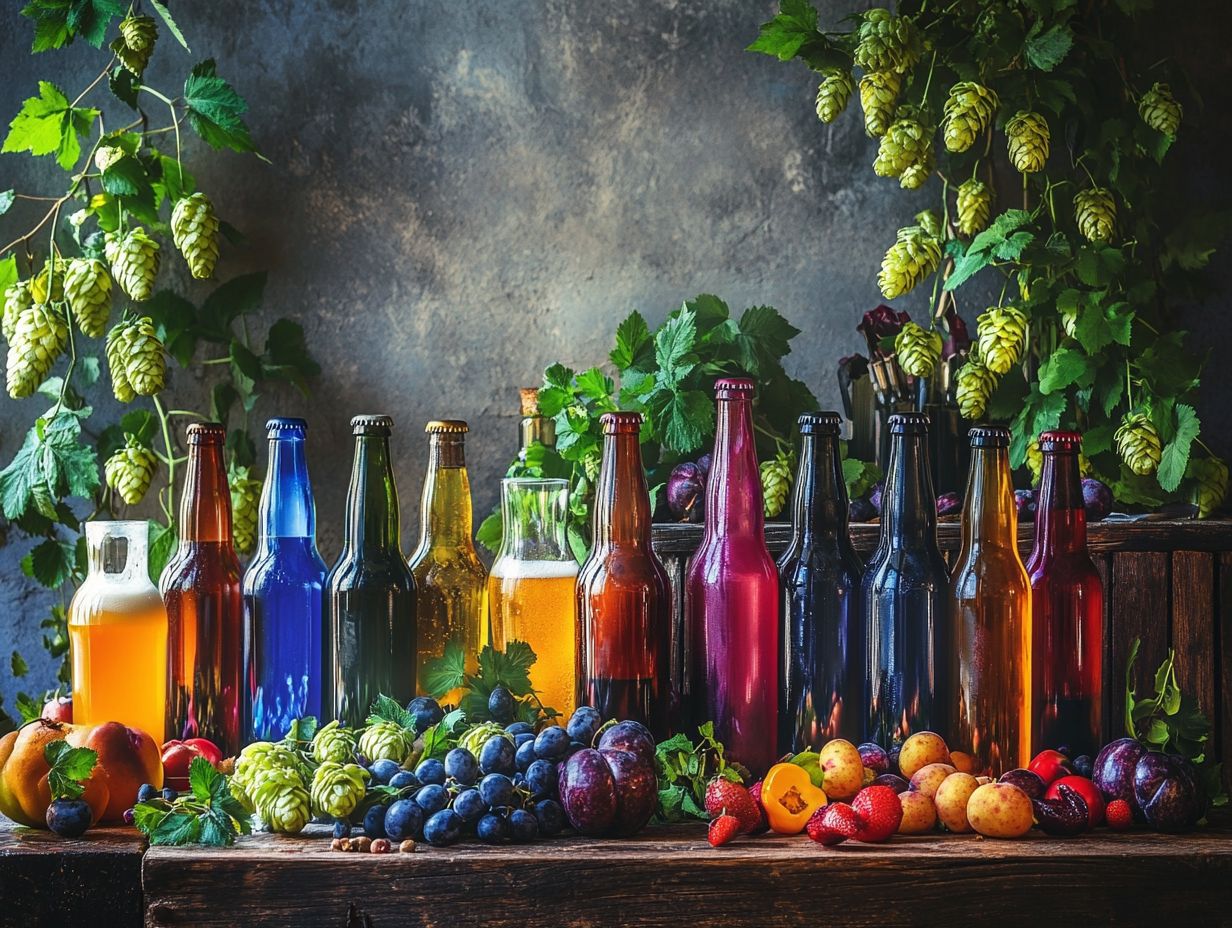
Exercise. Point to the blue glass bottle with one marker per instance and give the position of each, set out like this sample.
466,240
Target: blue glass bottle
283,622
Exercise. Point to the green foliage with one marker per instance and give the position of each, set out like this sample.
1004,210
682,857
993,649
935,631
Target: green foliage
685,768
208,814
509,668
70,768
48,124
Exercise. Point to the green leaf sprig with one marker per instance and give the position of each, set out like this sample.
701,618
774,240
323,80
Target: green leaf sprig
208,814
685,769
70,768
509,668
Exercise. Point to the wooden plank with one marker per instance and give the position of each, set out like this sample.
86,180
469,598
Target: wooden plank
1139,609
1193,625
669,876
50,881
1223,646
1108,706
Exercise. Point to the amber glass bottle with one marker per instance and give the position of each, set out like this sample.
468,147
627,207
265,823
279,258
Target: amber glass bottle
451,583
990,599
623,593
205,611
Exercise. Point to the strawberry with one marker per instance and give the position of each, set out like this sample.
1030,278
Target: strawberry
722,830
880,813
764,825
833,824
724,796
1119,815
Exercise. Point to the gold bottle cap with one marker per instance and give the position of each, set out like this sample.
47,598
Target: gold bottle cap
447,427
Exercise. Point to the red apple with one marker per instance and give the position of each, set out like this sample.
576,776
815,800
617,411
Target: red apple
1050,765
59,709
178,756
1084,788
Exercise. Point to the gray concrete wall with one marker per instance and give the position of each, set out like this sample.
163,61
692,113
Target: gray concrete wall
463,192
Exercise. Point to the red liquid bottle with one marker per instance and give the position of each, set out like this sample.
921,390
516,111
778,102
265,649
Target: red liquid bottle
1067,600
205,612
731,596
623,593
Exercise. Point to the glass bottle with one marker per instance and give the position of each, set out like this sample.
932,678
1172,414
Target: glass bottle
205,610
533,429
623,593
283,621
991,616
531,586
1067,598
731,596
821,693
451,583
903,597
117,629
369,592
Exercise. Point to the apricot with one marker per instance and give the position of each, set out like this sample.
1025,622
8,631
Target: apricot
928,779
24,792
1000,810
127,757
920,750
963,762
919,813
843,769
951,801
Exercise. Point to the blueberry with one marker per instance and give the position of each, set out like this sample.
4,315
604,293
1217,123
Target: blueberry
491,829
432,798
496,755
462,766
574,747
525,755
1083,765
520,728
552,743
146,792
496,789
550,816
522,826
383,771
522,737
541,778
426,711
404,779
169,794
374,821
404,820
342,828
443,828
470,805
431,771
69,818
583,724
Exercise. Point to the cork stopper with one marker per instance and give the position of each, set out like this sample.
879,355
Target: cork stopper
529,400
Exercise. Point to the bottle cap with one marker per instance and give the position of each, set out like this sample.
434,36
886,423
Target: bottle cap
206,433
1061,442
275,427
733,387
372,425
616,422
447,427
909,423
820,423
989,436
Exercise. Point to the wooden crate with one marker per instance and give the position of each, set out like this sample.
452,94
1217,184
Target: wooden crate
1168,583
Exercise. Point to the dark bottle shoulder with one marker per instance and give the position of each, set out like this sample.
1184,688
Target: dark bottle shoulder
350,572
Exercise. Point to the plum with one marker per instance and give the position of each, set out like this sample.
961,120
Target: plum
874,757
1167,791
949,504
610,791
637,791
1113,771
1064,816
892,780
629,736
861,510
1096,499
686,492
1024,502
588,793
1028,781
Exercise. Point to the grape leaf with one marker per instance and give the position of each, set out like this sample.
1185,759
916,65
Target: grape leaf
70,767
215,110
1175,457
445,673
47,124
50,562
784,35
58,22
1047,48
634,346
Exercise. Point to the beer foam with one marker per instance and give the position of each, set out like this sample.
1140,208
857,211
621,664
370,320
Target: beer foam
533,570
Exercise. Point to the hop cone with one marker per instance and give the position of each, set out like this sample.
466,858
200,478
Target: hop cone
117,353
43,292
245,501
1211,484
16,299
338,788
930,221
975,384
194,229
914,256
775,484
1035,460
878,93
1138,443
833,93
1159,110
1095,212
145,363
906,144
88,288
38,338
886,42
1002,337
130,470
135,44
282,801
111,246
333,742
134,264
258,760
918,349
968,112
1028,141
386,740
592,460
475,738
974,206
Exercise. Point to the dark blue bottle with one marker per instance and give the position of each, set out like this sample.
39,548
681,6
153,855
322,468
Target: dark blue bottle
904,599
822,691
283,622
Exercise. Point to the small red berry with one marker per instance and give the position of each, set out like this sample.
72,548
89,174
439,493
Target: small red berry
722,830
764,824
833,824
1119,815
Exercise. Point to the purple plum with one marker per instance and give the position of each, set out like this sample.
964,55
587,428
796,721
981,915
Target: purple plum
704,463
1028,781
861,510
629,736
686,492
637,791
588,793
1067,815
1167,791
1113,773
1024,501
949,504
892,780
874,757
1097,499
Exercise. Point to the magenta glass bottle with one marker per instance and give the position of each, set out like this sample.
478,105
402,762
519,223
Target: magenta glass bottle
731,596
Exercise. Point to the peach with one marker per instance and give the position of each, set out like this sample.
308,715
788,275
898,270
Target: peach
843,769
963,762
928,779
24,792
951,801
920,750
919,813
127,757
1000,810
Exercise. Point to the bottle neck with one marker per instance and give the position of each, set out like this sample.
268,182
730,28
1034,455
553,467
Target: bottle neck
287,509
733,490
534,514
909,507
989,516
622,503
1060,520
205,507
445,508
372,500
117,558
819,505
